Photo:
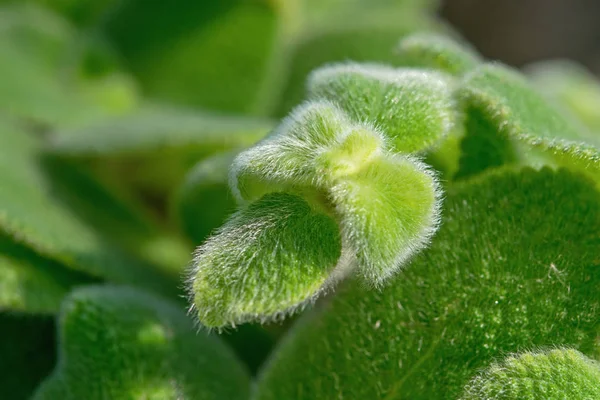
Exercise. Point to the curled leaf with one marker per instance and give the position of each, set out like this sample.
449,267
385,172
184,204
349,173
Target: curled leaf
323,196
268,259
387,211
414,108
521,125
554,374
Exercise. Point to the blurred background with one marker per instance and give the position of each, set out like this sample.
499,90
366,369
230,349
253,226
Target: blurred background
519,32
119,118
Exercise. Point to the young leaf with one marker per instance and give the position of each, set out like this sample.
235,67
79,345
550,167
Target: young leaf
203,202
413,108
137,346
53,216
348,203
555,374
30,283
527,124
499,276
438,52
572,85
388,211
268,259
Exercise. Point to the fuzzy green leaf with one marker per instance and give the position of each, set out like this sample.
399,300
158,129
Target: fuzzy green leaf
370,211
434,51
386,205
523,124
63,214
415,109
552,375
387,211
203,202
30,283
137,346
500,276
268,259
573,86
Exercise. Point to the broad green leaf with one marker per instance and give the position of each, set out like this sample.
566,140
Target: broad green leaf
438,52
30,283
61,213
415,109
516,123
348,204
210,54
121,343
269,259
555,374
153,148
203,202
573,86
513,267
28,354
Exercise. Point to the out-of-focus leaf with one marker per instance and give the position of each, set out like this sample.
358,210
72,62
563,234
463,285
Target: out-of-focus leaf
515,123
415,109
438,52
121,343
324,197
82,13
153,148
30,283
40,72
204,200
363,37
156,129
260,50
28,354
555,374
573,86
60,212
211,54
500,276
